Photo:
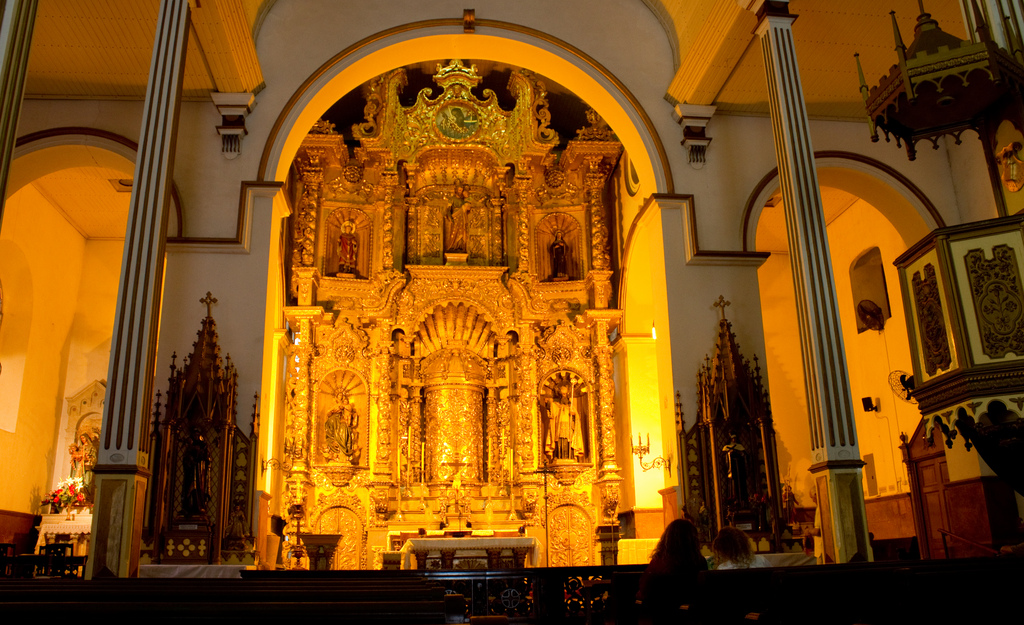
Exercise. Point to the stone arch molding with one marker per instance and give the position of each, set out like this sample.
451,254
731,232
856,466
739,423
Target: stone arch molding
899,200
41,153
493,40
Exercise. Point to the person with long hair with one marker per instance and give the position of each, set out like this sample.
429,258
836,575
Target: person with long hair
732,551
671,577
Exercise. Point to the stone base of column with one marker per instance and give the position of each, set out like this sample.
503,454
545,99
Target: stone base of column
842,516
120,502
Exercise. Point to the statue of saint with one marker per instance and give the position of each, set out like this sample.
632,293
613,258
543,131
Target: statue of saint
455,221
196,465
89,447
559,257
736,470
348,248
77,461
340,434
565,436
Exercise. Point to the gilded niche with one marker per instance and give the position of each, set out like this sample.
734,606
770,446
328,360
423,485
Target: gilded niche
998,304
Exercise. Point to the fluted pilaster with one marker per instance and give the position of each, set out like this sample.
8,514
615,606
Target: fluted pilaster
837,464
122,470
16,20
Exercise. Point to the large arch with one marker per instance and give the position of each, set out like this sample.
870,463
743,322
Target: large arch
493,40
902,202
41,153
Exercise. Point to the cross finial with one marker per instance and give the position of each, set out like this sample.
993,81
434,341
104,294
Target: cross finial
209,300
721,302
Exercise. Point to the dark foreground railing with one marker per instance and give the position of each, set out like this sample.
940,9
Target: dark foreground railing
571,595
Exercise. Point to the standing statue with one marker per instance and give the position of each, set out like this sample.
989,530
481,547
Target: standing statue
736,470
196,465
559,257
77,461
348,248
340,436
89,446
455,221
565,436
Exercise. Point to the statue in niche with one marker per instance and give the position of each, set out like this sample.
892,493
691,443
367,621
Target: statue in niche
559,253
196,466
340,430
455,221
736,470
348,248
565,435
88,445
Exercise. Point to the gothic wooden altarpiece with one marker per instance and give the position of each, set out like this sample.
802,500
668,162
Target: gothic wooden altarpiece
730,461
450,279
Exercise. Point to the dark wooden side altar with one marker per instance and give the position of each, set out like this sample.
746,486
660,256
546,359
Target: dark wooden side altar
200,501
730,463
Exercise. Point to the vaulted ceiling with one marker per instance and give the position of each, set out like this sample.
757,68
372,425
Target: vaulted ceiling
101,50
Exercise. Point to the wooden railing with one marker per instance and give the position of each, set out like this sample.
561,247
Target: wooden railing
985,549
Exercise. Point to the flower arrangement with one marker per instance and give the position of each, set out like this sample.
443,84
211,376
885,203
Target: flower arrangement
70,492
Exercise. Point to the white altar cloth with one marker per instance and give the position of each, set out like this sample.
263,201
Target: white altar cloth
470,547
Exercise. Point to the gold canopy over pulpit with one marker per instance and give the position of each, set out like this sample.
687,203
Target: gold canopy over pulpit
450,282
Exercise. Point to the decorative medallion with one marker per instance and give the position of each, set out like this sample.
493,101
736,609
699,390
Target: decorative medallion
998,303
457,121
934,343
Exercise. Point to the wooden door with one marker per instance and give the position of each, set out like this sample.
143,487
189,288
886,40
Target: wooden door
932,478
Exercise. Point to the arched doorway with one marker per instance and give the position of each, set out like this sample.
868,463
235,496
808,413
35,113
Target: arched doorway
871,218
60,258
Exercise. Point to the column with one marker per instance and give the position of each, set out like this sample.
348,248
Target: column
122,472
17,17
836,457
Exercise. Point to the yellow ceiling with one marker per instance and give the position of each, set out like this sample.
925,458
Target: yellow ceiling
88,200
102,50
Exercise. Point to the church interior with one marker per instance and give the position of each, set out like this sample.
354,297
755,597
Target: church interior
304,286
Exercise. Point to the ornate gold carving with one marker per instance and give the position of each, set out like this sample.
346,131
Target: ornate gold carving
998,303
571,537
596,130
934,343
450,371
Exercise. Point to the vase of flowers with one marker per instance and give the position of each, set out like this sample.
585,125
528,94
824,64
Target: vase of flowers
69,494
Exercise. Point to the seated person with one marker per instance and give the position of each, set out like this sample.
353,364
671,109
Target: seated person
671,578
732,551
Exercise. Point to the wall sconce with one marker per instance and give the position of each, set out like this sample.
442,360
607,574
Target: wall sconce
273,463
871,404
640,450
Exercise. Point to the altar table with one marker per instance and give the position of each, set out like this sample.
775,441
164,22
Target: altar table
497,551
78,530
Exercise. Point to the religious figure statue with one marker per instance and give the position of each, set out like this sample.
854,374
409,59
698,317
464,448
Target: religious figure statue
89,447
565,436
196,465
455,221
348,248
237,530
77,461
559,257
340,435
736,470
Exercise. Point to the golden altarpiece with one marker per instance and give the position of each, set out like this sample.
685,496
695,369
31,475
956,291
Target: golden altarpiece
450,363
